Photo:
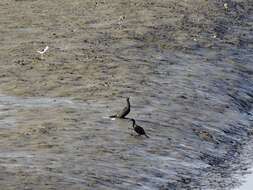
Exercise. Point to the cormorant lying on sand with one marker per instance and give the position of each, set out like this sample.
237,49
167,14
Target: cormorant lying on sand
138,129
123,112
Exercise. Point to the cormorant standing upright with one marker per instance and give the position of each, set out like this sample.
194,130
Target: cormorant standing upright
138,129
123,112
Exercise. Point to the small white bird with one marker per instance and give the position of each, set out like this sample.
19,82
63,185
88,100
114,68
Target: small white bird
225,6
43,51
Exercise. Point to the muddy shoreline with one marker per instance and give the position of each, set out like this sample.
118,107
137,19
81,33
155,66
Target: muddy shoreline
187,67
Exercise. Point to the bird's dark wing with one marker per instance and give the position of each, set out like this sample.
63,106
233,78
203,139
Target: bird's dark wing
123,112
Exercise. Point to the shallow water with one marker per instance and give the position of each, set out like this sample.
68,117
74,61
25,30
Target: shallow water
74,151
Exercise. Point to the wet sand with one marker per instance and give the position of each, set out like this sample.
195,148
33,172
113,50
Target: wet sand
187,67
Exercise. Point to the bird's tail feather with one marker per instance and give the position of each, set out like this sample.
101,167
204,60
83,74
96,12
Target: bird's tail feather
113,116
146,136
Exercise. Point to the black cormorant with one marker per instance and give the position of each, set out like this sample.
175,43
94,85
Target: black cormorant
138,129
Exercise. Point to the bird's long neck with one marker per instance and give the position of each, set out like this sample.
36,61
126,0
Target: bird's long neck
128,103
133,123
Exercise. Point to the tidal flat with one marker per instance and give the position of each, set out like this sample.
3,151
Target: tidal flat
186,66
